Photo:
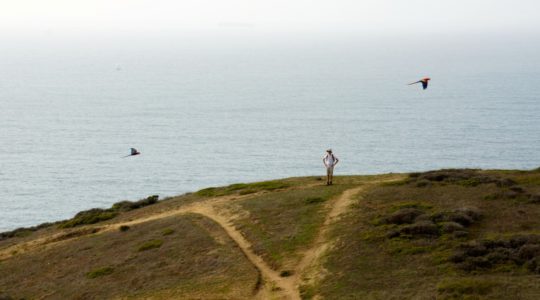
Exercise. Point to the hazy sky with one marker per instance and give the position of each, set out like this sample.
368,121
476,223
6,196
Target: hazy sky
361,16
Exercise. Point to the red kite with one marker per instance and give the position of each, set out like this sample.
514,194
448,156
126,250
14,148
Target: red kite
424,82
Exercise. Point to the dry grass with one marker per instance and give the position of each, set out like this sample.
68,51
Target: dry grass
282,223
100,272
189,263
243,188
370,263
402,240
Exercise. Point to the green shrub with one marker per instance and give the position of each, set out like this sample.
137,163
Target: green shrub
99,272
535,199
422,228
450,227
167,231
307,292
464,177
460,234
236,187
314,200
417,205
150,245
24,231
207,192
4,296
96,215
247,191
269,185
415,250
242,188
124,228
423,183
91,216
129,205
462,216
403,216
472,212
396,182
465,287
122,205
521,250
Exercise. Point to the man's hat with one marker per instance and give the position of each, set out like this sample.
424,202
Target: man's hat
329,150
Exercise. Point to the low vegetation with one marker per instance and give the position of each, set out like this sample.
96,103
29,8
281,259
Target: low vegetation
91,216
417,223
439,234
243,188
150,245
446,234
100,272
74,233
96,215
129,205
282,223
469,287
87,217
464,177
314,200
198,262
24,231
500,254
167,231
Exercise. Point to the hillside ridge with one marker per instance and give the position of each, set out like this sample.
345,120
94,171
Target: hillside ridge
295,239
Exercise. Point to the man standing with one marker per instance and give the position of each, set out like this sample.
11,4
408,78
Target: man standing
329,161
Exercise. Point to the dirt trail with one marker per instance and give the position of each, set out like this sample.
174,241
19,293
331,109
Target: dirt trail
275,286
310,269
307,272
285,287
55,239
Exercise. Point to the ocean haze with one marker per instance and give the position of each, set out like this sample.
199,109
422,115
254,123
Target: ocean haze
284,16
212,111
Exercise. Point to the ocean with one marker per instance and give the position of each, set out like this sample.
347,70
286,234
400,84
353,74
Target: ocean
210,111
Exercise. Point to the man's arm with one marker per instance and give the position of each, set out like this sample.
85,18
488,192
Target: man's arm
324,161
336,160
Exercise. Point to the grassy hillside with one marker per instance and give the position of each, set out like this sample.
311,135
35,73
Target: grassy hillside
448,234
187,255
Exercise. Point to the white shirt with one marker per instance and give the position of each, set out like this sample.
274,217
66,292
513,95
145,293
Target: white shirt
329,160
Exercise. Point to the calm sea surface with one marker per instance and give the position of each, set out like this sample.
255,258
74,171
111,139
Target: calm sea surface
214,112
